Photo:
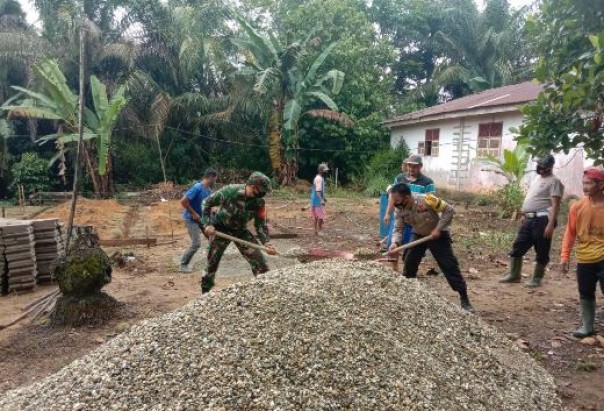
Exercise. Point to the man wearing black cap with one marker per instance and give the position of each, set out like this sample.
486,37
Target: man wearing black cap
539,214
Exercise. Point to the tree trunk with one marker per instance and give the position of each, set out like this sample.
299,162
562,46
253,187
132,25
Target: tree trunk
275,125
92,170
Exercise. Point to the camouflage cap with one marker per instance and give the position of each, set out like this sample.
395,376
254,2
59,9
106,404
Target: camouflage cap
261,181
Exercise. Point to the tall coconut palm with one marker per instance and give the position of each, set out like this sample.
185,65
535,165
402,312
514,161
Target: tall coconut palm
292,91
484,50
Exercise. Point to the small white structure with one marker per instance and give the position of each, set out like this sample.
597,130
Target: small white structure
454,136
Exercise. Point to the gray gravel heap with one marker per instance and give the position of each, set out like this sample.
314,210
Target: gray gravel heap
323,336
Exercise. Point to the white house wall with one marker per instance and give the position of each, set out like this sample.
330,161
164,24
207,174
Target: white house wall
439,168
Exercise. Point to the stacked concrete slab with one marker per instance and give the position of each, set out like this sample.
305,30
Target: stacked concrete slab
17,243
48,244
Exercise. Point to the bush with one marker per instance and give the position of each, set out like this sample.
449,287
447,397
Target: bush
387,163
32,173
510,199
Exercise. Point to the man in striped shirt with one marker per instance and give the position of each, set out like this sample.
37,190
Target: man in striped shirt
418,183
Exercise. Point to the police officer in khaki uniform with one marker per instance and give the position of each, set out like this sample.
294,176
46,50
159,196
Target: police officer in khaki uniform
428,216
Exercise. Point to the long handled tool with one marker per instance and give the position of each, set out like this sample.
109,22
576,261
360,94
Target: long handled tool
240,241
404,247
409,245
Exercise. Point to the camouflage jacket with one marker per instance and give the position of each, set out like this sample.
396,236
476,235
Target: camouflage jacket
235,211
423,217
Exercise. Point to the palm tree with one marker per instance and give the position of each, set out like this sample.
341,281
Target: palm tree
280,79
20,49
484,50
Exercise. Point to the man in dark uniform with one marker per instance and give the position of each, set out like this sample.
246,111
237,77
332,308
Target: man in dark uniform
539,215
423,216
238,204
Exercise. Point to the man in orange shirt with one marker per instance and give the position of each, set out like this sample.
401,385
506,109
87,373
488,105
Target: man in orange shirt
586,225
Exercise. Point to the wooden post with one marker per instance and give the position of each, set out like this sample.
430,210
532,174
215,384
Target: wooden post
74,197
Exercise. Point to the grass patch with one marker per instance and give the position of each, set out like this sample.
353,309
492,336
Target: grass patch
586,366
494,240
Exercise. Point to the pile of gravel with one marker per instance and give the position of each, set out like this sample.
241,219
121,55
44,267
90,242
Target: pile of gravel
321,336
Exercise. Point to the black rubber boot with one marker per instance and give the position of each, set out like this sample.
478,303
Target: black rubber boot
538,274
515,271
465,301
206,284
588,319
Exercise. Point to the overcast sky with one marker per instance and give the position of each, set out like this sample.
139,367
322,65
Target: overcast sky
32,16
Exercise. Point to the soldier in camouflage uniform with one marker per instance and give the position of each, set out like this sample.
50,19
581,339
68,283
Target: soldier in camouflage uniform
239,204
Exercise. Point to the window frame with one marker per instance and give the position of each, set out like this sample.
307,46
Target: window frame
489,133
431,144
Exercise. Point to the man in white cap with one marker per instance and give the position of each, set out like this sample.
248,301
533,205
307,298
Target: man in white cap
317,198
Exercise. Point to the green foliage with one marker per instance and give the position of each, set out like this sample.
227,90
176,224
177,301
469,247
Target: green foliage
387,163
104,117
569,111
510,199
514,164
31,172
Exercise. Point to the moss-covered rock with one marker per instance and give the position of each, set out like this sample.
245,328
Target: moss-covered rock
84,272
89,310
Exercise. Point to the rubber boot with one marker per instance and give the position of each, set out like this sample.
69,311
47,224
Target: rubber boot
588,319
538,274
207,284
515,270
465,301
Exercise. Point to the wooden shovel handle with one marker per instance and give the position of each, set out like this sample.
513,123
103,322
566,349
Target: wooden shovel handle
240,241
410,245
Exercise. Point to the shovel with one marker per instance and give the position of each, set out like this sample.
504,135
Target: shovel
404,247
240,241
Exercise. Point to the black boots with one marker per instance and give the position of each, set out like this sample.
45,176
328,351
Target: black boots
207,284
465,301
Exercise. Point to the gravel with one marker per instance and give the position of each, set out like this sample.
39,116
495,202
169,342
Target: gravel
323,336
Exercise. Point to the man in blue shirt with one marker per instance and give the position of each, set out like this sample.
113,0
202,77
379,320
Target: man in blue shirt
191,202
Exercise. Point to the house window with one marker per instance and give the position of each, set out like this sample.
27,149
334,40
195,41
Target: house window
489,139
429,147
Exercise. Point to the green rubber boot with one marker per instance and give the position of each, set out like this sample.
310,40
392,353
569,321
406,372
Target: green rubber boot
538,274
588,319
515,269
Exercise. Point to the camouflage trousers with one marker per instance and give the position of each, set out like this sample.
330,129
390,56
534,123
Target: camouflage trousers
216,249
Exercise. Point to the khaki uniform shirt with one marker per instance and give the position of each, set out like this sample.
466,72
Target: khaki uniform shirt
423,217
540,193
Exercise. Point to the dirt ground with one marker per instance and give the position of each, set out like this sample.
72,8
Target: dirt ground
538,321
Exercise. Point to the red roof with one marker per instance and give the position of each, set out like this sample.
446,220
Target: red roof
513,95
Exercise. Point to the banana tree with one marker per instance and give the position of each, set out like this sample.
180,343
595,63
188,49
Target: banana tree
293,93
59,104
514,164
